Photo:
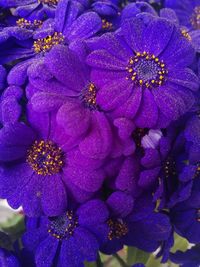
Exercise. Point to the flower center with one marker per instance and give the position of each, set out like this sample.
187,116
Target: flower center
45,44
27,24
117,229
195,19
146,70
197,173
186,34
49,2
45,158
88,96
106,25
170,169
63,227
138,134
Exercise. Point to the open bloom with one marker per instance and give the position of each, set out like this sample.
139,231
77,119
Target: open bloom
69,239
39,161
134,224
75,95
143,74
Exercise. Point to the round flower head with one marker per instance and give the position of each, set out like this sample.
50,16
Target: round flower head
134,224
186,216
76,107
76,27
68,240
143,74
38,162
70,32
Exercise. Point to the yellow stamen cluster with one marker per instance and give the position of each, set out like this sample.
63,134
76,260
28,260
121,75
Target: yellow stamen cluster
195,19
27,24
89,96
45,158
138,134
45,44
49,2
64,226
197,173
118,229
106,25
186,35
146,58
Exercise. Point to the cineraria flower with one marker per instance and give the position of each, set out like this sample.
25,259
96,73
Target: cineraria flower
189,258
68,240
185,216
38,162
31,9
168,161
75,28
70,31
78,113
136,225
144,73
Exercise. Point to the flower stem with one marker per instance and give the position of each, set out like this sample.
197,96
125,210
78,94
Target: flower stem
99,262
119,259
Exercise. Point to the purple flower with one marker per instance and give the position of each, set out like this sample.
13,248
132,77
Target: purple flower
189,258
68,240
71,31
185,216
76,107
145,75
39,161
134,225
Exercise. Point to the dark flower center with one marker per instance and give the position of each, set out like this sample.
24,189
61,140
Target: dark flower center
45,44
88,96
198,215
138,134
197,173
49,2
106,25
186,34
195,19
170,168
117,229
146,70
45,158
63,227
27,24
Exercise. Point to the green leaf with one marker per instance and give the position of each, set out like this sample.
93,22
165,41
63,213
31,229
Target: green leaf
90,264
180,243
135,255
14,226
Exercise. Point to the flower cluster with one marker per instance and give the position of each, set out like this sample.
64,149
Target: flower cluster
100,127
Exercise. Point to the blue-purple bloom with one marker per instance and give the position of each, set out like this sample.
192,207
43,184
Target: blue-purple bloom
69,239
146,75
